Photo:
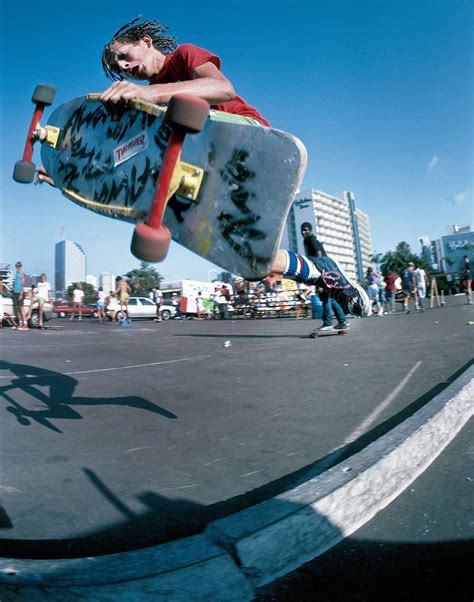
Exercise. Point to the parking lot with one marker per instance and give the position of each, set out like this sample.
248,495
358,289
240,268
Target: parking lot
107,430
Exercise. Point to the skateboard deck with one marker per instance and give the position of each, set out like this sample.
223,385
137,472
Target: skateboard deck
322,333
249,173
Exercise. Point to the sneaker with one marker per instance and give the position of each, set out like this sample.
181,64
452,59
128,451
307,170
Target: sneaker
23,327
350,295
324,328
342,326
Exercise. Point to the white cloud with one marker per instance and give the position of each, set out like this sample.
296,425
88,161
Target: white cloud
460,197
433,162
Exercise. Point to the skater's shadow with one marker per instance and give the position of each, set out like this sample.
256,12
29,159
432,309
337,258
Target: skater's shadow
55,392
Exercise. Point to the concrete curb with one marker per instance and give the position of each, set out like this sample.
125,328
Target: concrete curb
253,547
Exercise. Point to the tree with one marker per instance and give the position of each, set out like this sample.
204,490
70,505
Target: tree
89,291
398,260
144,278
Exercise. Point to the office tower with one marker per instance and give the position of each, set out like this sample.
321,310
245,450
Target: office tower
70,265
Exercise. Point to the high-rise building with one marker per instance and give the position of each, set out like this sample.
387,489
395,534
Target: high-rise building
342,228
107,282
70,265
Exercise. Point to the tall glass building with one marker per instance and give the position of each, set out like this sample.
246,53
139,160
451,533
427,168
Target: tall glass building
69,265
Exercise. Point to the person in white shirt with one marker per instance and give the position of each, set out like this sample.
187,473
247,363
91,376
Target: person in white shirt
101,302
157,298
41,295
420,281
77,299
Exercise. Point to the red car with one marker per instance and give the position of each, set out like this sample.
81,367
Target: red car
62,310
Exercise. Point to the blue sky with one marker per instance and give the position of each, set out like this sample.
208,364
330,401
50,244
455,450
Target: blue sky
380,92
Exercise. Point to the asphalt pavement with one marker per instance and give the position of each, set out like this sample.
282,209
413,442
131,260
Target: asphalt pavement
118,438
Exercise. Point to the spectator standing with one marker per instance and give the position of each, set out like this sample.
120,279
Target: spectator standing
382,297
41,295
372,290
77,301
157,298
199,305
467,275
101,303
222,302
408,286
420,283
123,293
175,302
19,296
391,289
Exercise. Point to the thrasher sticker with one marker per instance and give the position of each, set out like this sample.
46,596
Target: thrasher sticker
130,148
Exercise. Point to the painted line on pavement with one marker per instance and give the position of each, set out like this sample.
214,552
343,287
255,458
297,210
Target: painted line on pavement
53,375
365,425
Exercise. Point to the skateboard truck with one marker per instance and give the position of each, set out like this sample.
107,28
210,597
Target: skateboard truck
185,114
43,96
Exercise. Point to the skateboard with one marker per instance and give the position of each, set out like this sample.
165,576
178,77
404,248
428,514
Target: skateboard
322,333
219,185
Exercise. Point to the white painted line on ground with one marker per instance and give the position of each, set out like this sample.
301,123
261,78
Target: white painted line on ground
365,425
52,375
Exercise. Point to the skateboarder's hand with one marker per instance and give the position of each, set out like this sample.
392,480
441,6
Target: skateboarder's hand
43,177
116,97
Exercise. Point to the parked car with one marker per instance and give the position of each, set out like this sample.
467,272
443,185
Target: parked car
64,309
33,322
141,307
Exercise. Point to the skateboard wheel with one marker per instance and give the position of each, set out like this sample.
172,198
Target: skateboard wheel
24,172
44,95
150,244
187,112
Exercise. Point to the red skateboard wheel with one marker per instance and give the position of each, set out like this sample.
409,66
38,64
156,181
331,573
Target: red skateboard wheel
149,243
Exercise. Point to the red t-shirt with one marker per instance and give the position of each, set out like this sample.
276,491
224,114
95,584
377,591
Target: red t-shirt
390,280
179,66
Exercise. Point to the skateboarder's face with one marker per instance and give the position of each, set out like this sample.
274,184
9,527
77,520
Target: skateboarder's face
136,60
306,232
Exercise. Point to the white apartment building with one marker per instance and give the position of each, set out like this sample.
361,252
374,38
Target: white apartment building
343,229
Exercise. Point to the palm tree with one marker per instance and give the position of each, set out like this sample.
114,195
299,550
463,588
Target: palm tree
393,262
144,278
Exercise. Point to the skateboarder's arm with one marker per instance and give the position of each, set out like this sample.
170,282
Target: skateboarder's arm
207,83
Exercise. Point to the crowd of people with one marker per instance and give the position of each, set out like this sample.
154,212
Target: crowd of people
19,317
410,287
268,298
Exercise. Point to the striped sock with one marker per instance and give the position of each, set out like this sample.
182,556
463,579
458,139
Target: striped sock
300,268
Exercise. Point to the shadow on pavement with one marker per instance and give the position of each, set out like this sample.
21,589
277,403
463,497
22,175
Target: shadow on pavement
164,519
371,571
55,391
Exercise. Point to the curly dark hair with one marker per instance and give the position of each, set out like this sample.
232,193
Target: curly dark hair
134,32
